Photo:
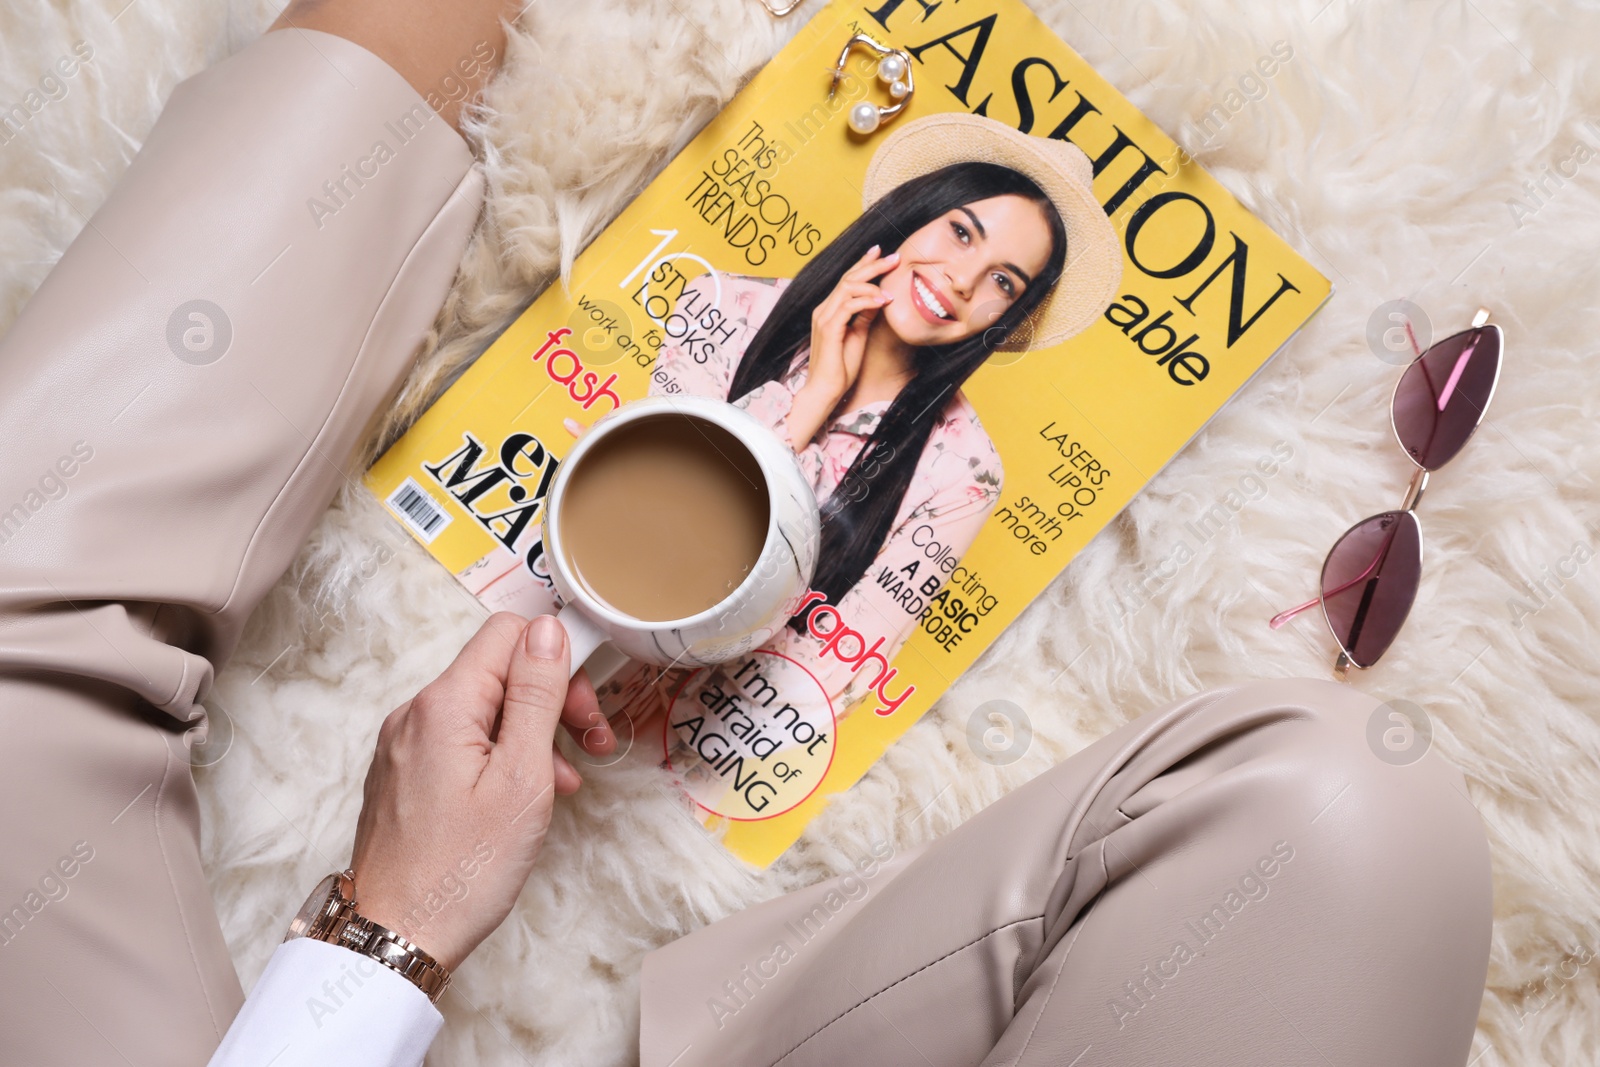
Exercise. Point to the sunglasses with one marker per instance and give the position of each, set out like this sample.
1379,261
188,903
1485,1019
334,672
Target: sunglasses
1371,575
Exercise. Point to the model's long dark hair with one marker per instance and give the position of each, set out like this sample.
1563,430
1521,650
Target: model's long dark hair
856,519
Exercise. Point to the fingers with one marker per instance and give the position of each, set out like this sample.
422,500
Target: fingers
847,300
843,314
860,295
855,291
488,650
500,678
847,291
567,780
867,306
854,348
482,674
477,676
863,305
582,717
870,266
535,692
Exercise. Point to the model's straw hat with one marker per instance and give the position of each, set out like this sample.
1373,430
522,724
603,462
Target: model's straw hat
1093,267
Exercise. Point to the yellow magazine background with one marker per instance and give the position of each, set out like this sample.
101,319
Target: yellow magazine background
1097,399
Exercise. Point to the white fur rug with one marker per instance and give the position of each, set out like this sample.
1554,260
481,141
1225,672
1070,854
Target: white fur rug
1389,150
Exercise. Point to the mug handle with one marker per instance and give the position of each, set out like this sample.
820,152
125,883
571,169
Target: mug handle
582,635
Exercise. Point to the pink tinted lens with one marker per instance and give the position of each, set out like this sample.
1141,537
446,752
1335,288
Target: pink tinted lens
1442,395
1369,583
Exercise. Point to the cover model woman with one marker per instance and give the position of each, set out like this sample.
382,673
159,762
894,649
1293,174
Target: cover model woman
973,238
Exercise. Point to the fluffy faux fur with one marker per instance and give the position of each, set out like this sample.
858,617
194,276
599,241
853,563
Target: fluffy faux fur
1389,150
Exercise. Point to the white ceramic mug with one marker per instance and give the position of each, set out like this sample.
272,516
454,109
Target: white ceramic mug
748,617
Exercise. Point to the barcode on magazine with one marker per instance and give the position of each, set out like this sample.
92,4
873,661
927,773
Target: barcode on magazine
417,508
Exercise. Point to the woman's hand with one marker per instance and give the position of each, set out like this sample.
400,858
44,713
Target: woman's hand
839,327
461,788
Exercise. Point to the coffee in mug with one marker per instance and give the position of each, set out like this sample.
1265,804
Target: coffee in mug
665,518
681,532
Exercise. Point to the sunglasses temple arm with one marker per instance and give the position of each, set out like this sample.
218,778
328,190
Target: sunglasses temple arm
1283,617
1456,372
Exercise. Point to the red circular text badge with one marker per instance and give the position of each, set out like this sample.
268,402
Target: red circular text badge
750,739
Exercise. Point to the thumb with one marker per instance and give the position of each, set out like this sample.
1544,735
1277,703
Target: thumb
536,688
855,344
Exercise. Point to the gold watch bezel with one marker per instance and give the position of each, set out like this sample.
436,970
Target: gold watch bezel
320,908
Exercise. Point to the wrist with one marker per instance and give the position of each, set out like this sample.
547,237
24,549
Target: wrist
808,414
390,911
821,391
333,913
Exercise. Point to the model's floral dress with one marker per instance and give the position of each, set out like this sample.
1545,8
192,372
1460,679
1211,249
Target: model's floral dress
955,487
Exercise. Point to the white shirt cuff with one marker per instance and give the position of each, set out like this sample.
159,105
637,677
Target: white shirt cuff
318,1004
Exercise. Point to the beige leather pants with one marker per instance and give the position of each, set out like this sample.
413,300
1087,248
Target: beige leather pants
163,462
1236,879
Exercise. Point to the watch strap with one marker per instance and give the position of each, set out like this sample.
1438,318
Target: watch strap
409,960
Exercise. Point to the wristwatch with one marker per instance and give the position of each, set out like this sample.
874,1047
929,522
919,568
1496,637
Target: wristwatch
329,914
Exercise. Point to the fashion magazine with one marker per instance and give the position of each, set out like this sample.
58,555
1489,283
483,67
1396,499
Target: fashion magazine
1034,399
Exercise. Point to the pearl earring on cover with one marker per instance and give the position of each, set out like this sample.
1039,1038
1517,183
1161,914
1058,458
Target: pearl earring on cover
894,71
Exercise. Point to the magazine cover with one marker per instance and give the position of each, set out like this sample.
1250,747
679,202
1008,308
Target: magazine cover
1034,397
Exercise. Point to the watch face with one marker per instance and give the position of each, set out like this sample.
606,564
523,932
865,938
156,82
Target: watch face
315,907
